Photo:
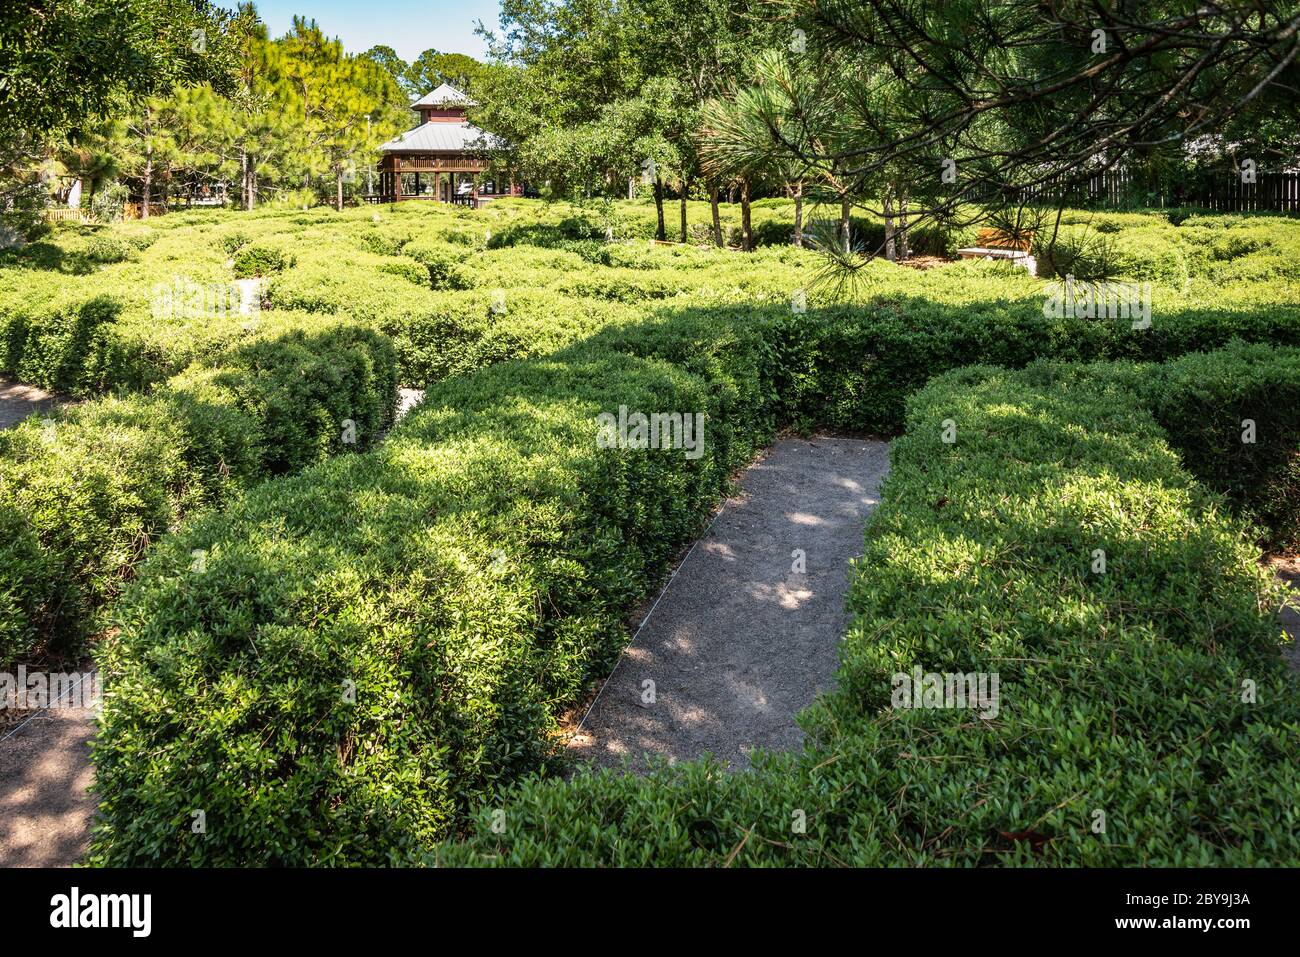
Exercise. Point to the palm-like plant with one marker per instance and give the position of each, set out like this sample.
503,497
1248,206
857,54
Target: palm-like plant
765,131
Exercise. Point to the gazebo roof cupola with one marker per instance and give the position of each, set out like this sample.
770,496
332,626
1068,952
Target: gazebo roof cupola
445,104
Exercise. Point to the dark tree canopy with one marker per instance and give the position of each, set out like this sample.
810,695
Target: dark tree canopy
63,62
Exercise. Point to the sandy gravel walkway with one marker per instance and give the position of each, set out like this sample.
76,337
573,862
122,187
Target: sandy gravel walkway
1288,569
45,807
748,630
18,401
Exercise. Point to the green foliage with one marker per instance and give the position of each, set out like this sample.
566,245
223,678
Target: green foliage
409,269
260,261
854,369
445,262
494,490
64,63
95,485
1235,417
471,575
232,242
1119,691
107,249
22,218
107,203
431,69
487,596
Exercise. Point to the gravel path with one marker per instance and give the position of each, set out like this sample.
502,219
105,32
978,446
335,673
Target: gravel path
742,639
18,401
45,807
1288,569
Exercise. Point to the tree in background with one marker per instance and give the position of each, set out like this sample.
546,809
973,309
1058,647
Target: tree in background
166,140
584,75
300,116
66,64
1007,102
336,94
386,57
431,69
703,47
743,135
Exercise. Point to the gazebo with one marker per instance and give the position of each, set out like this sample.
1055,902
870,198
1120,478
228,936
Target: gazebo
442,158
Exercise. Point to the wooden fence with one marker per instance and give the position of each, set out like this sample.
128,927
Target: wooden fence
1279,192
82,215
1270,192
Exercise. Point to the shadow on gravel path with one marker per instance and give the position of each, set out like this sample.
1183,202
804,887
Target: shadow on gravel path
45,808
744,635
18,401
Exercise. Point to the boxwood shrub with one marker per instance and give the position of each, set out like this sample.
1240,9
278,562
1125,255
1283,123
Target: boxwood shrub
260,260
1144,715
381,643
94,485
462,582
1235,417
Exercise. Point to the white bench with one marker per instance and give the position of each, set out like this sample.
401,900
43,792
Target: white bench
995,244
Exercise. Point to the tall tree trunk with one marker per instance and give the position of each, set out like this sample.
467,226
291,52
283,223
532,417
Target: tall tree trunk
904,247
246,179
798,214
891,252
846,224
746,226
660,232
338,189
717,221
148,163
685,186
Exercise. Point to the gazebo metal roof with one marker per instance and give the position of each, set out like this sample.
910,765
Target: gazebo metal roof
445,95
450,133
440,138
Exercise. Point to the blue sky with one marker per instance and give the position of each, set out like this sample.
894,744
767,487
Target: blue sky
408,26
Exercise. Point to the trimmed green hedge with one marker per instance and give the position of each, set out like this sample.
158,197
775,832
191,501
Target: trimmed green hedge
1124,735
853,369
80,320
73,323
1235,417
379,644
466,579
92,486
250,261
